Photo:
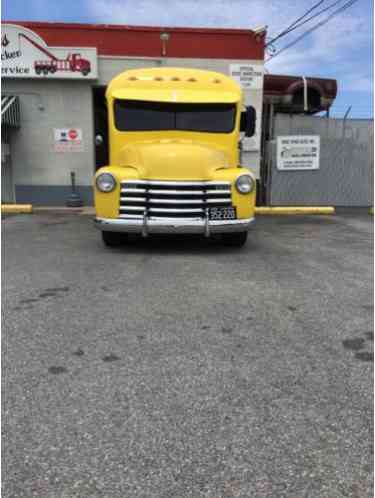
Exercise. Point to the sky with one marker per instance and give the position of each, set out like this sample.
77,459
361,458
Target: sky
341,49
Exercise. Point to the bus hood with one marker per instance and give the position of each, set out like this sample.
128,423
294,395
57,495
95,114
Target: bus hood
174,160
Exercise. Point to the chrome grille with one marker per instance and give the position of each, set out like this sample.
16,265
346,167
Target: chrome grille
171,199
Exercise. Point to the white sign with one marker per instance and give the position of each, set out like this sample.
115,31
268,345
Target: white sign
248,76
251,144
68,140
298,152
24,54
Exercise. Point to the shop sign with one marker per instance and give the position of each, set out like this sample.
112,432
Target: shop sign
298,152
68,140
248,76
24,54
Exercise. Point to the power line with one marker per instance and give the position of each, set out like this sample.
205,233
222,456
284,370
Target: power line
315,27
305,21
286,30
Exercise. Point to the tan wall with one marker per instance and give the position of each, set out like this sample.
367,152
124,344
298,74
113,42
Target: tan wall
45,105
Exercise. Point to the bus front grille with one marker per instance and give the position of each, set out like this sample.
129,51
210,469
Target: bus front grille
167,199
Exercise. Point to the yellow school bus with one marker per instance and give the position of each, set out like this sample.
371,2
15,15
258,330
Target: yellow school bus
174,157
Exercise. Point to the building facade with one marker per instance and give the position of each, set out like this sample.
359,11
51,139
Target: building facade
59,72
54,77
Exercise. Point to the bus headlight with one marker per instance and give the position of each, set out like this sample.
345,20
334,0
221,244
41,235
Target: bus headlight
244,184
105,182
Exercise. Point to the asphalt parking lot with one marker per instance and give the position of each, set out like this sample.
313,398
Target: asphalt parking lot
182,369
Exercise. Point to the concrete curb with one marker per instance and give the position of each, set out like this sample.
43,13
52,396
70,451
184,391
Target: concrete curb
16,208
294,210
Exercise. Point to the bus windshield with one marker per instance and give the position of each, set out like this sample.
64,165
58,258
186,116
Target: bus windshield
137,115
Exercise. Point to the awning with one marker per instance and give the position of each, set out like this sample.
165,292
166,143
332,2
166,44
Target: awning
10,110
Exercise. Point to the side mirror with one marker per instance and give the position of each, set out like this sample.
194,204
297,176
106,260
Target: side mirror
99,140
248,121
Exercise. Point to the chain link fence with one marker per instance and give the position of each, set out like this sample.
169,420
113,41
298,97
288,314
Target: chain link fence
346,170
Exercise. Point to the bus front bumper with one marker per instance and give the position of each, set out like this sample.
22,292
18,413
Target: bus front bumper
147,226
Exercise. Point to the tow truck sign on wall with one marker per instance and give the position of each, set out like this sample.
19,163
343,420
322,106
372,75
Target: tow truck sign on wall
24,54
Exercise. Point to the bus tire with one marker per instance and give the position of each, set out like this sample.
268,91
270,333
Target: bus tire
236,239
113,239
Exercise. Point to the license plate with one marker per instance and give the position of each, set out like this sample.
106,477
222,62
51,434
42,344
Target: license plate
222,213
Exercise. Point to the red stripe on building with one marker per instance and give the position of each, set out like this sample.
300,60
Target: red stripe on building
141,41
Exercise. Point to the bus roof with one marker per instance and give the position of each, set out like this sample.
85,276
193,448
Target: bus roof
169,84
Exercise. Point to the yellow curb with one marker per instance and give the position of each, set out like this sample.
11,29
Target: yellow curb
295,210
88,210
371,210
16,208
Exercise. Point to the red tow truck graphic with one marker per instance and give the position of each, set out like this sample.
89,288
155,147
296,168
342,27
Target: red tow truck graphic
73,62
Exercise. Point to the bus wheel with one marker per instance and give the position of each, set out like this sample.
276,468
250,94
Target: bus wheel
38,70
236,239
45,70
113,239
85,72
